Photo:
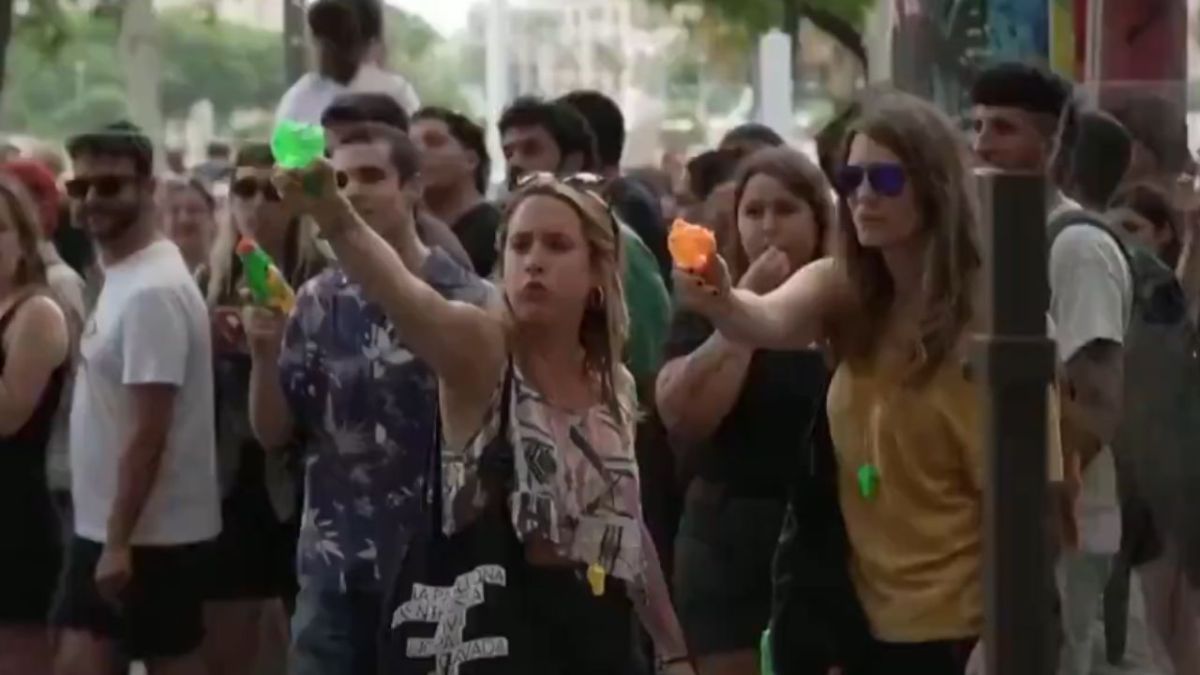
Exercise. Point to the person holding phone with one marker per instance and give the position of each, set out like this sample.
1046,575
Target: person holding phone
253,575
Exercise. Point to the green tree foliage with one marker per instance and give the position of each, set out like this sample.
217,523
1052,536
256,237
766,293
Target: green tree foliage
232,66
56,92
761,15
419,53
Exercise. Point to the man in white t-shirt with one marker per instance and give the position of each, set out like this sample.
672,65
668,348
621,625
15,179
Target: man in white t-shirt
348,36
1021,116
142,431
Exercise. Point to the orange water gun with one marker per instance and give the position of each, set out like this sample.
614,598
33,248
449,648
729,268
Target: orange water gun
692,247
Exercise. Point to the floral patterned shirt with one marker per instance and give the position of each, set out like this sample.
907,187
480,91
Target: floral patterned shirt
367,410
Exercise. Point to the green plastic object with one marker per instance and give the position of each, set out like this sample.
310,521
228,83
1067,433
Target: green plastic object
766,663
296,145
868,481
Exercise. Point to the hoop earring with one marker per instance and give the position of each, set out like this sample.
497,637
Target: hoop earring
596,298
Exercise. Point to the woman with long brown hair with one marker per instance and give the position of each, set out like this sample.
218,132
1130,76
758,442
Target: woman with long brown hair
35,353
534,382
736,415
895,306
253,572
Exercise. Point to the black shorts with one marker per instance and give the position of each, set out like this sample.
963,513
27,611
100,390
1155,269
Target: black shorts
162,612
254,558
723,556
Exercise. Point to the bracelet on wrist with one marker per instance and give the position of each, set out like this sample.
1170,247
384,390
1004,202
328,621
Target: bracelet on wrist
664,663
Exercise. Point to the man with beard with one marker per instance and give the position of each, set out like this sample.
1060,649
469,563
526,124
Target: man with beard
143,468
364,407
348,37
454,169
541,136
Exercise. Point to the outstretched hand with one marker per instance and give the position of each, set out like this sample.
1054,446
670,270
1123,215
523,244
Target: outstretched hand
703,291
313,190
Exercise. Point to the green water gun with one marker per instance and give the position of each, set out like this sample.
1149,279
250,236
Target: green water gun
296,145
266,283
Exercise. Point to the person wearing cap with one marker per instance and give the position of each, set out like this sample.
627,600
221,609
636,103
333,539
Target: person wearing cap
1025,119
348,36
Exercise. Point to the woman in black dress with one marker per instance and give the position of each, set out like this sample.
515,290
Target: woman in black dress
35,347
738,417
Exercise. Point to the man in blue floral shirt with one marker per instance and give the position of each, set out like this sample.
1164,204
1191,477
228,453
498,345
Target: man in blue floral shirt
364,408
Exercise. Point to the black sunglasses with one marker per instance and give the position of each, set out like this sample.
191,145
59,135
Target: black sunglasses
248,188
886,179
105,186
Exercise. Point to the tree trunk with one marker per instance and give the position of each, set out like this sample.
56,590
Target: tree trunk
140,46
295,48
791,19
6,26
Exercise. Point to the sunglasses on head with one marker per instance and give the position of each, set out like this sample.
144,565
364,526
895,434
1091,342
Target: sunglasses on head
577,180
586,183
105,186
885,179
248,188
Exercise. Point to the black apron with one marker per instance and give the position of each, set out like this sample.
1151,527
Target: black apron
470,604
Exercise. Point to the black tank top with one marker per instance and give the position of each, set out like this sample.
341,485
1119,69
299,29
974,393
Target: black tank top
25,503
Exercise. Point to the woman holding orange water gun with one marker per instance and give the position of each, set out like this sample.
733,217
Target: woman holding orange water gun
737,414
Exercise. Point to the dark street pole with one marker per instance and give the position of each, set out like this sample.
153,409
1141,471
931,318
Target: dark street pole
1016,359
6,26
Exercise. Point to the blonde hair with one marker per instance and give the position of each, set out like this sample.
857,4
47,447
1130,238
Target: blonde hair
31,268
604,328
934,157
303,258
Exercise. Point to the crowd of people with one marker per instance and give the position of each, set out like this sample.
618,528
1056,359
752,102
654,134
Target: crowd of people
511,435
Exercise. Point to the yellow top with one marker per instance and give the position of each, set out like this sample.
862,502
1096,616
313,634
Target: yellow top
917,544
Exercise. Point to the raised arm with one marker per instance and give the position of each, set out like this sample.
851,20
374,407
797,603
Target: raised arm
270,417
695,392
794,316
464,344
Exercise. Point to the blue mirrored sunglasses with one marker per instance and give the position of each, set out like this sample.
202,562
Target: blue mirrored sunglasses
886,180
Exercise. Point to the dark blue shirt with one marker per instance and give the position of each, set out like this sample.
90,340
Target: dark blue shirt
367,410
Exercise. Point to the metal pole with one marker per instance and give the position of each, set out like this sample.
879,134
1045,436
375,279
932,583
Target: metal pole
295,51
1016,359
498,94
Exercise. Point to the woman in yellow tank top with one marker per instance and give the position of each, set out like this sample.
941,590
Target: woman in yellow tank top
894,306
